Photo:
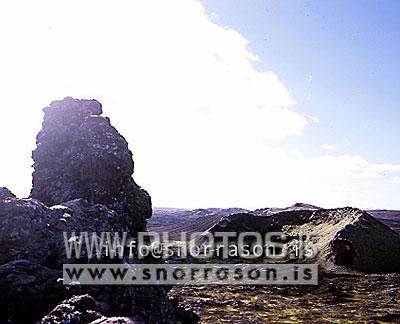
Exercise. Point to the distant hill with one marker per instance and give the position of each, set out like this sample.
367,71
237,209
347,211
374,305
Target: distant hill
389,217
174,216
177,220
347,238
273,210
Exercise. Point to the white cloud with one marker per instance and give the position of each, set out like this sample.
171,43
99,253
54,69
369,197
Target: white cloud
327,146
163,70
183,91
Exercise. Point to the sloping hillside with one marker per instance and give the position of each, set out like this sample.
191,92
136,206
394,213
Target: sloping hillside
176,220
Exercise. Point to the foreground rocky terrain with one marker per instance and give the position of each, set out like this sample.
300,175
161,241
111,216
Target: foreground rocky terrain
81,182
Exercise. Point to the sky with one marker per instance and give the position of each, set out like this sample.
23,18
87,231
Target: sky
224,103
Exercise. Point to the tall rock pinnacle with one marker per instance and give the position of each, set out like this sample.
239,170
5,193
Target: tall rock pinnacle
80,155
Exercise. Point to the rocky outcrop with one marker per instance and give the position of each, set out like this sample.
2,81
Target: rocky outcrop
84,309
6,194
81,183
78,309
32,231
80,155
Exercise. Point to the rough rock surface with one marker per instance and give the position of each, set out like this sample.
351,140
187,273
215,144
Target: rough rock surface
5,194
117,320
28,290
82,182
84,309
347,239
78,309
80,155
30,230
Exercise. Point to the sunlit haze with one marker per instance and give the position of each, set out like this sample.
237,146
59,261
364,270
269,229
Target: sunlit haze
210,120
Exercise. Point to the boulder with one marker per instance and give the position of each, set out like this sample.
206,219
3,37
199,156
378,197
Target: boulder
76,310
28,290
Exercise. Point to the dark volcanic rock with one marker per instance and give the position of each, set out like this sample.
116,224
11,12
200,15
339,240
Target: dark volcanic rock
184,315
30,230
5,194
25,231
33,231
76,310
80,155
117,320
27,291
85,309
